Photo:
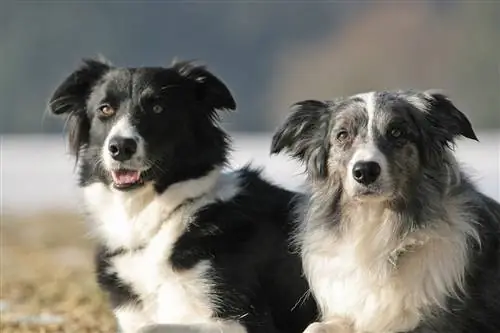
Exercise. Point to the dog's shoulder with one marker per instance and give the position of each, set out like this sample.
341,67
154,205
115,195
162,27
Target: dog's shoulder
485,211
474,308
246,239
258,214
490,212
486,253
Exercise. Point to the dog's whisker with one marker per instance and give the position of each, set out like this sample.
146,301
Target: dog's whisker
170,86
61,98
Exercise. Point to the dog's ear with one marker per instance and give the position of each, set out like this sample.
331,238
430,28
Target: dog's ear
446,119
304,135
71,95
210,90
70,99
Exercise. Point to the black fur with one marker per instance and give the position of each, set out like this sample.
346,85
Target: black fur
190,94
245,240
256,273
257,279
69,99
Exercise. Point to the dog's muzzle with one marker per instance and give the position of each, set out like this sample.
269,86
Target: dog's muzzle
122,149
366,173
123,164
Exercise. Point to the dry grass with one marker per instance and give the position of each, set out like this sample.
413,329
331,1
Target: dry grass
46,267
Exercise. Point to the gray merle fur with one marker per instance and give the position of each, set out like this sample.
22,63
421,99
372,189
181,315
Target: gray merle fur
411,135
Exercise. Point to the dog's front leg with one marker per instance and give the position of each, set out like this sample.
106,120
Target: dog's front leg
130,319
334,325
231,327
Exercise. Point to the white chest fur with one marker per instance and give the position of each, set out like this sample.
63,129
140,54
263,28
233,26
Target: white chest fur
352,276
373,303
143,219
168,296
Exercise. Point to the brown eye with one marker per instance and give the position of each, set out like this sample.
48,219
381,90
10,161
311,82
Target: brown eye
157,108
106,110
342,135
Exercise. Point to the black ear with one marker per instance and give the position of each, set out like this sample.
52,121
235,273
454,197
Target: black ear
70,99
71,95
447,119
304,135
209,89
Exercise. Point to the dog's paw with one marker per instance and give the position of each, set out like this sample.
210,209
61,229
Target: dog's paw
174,328
160,329
317,328
333,326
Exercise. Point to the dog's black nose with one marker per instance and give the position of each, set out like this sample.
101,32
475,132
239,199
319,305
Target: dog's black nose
366,172
122,149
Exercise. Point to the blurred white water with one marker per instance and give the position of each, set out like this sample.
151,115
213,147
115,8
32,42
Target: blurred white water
38,174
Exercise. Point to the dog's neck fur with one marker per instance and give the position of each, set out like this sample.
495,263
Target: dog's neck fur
365,263
128,220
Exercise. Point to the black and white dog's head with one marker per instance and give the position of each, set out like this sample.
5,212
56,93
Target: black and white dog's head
378,145
130,126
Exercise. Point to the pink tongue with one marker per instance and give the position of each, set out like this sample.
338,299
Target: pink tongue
124,177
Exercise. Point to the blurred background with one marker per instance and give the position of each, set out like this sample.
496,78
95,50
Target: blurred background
270,53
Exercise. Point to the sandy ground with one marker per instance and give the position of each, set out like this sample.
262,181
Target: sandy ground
46,276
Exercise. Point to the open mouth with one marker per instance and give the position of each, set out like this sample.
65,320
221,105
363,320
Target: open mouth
126,179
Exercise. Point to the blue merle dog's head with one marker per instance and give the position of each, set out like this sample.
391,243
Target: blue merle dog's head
377,145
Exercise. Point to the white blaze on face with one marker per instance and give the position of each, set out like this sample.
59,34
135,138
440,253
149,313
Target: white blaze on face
122,128
419,102
368,150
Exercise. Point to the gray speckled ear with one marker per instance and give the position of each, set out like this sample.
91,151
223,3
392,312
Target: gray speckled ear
303,136
446,117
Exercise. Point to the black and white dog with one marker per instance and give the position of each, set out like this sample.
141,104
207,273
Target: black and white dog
394,237
183,245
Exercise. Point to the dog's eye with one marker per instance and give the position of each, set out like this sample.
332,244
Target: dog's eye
157,108
396,133
342,135
106,110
